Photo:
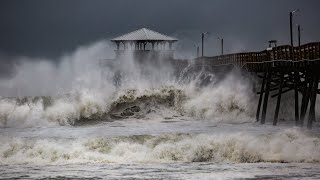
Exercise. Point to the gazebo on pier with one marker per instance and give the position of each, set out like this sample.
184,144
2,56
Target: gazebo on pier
144,42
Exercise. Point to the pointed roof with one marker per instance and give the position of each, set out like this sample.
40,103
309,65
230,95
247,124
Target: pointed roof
144,34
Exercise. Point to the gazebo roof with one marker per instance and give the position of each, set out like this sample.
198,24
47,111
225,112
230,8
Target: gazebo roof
144,34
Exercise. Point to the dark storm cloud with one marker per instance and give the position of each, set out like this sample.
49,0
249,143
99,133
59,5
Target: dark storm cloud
49,28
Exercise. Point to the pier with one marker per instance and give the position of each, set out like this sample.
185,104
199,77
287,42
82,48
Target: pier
282,69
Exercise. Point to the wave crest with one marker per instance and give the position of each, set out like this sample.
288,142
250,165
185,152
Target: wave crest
290,145
85,106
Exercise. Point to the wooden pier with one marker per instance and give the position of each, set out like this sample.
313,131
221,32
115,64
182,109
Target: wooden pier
282,69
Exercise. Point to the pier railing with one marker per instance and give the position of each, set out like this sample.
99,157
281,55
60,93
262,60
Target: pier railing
308,51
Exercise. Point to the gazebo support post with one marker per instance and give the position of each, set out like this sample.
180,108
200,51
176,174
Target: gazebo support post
170,45
118,46
152,45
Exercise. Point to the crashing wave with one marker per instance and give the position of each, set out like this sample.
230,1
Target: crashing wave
290,145
202,96
85,106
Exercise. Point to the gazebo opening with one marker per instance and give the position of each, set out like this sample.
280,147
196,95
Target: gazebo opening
144,41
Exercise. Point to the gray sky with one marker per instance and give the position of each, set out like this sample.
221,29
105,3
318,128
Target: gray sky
51,28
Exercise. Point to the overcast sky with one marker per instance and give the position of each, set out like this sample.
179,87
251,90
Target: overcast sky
50,28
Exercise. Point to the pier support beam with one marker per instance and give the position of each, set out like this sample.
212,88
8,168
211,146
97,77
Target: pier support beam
276,114
266,97
296,96
305,97
261,96
313,98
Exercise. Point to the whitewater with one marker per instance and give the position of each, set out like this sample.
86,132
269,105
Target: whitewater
88,117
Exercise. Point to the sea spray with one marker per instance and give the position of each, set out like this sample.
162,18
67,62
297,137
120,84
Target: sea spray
82,88
211,103
230,100
51,77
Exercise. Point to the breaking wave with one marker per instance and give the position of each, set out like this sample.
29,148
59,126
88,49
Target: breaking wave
228,103
290,145
82,89
82,106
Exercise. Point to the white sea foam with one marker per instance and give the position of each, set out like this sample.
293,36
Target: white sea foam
290,145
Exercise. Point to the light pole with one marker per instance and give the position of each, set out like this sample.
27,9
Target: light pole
296,76
299,40
299,35
198,49
221,39
291,21
202,42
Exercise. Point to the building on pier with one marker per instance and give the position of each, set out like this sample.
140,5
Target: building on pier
145,43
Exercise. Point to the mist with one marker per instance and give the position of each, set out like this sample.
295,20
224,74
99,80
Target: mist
45,77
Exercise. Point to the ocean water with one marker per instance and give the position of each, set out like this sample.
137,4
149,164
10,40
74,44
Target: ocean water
128,121
178,148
